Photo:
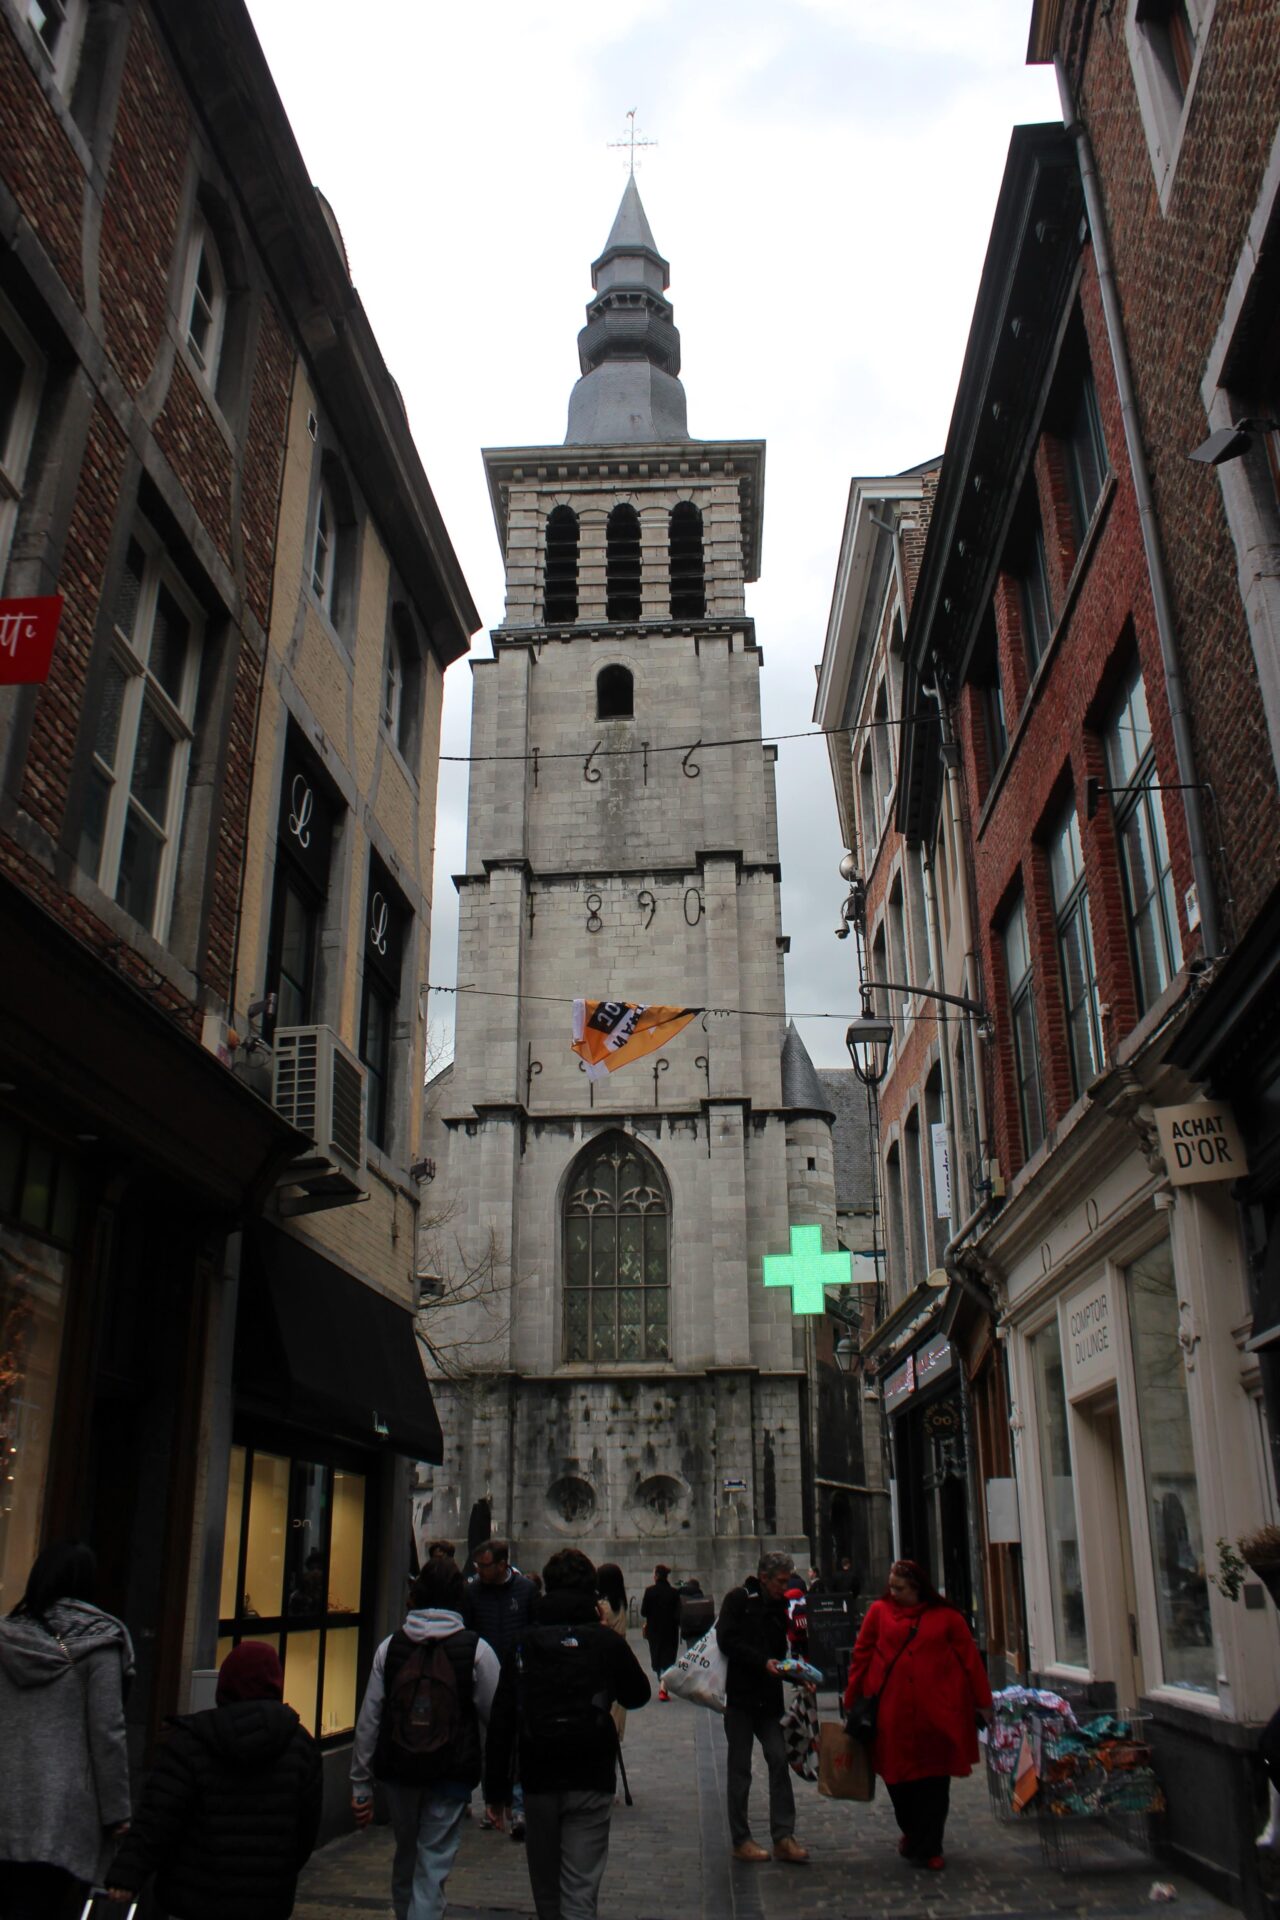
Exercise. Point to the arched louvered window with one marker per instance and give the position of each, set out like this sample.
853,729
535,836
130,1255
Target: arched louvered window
688,577
560,597
622,565
617,1223
615,694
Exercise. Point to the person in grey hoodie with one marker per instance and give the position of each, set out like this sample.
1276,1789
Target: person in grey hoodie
64,1669
427,1795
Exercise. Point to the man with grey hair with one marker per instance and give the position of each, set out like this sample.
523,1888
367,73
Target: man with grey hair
752,1632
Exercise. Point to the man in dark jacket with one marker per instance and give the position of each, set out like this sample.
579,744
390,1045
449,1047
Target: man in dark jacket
660,1612
231,1808
427,1792
551,1712
752,1632
498,1601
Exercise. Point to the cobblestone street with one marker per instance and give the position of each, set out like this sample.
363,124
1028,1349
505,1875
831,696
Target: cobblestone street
669,1855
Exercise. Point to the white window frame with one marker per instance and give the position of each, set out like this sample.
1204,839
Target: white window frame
204,246
1070,893
15,450
324,557
130,652
68,19
1164,116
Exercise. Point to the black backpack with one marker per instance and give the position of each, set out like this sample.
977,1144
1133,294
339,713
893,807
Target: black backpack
424,1713
563,1692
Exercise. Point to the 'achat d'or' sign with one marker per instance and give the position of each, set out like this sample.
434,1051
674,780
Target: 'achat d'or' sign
28,629
1200,1142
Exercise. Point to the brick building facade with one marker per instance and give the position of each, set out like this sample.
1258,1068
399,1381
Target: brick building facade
173,300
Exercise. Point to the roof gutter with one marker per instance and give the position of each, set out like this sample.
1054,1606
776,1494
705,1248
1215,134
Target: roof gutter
1160,596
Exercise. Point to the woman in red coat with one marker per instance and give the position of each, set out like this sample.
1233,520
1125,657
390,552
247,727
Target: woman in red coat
916,1651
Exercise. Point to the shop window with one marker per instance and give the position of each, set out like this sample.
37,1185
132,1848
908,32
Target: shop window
688,581
622,564
142,732
1020,981
560,589
294,1575
22,371
304,842
1062,1533
386,919
617,1223
1080,998
1169,1475
38,1209
1154,940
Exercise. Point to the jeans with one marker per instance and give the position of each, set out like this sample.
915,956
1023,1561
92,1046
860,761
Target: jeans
428,1828
921,1807
566,1847
742,1728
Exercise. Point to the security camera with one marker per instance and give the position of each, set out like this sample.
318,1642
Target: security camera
842,931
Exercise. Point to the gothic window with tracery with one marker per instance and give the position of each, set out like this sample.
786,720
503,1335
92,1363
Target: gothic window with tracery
617,1219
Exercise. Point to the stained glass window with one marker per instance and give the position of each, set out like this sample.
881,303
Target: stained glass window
617,1218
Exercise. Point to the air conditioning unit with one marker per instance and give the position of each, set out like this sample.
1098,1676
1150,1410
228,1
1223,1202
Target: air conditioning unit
317,1084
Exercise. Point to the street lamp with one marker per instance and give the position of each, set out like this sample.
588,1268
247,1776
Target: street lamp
869,1039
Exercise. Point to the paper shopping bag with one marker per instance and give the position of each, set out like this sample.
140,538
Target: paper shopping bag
844,1765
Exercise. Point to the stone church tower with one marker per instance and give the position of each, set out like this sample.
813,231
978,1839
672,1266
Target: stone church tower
622,1380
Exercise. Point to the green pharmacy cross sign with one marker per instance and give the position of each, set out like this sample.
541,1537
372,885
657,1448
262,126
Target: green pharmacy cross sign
807,1270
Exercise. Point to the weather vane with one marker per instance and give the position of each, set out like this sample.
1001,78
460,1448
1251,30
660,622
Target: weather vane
632,141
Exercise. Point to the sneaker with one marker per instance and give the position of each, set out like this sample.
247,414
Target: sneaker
750,1850
663,1694
490,1826
517,1826
790,1851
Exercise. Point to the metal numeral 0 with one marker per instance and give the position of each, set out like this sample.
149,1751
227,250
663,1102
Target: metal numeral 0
692,920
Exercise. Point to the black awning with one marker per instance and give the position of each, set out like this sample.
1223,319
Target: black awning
319,1349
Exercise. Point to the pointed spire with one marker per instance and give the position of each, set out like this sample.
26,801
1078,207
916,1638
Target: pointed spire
629,350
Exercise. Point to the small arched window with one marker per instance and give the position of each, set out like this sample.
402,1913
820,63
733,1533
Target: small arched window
617,1223
615,694
688,575
205,308
560,588
622,564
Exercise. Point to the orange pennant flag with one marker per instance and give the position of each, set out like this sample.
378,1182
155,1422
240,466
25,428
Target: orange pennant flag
608,1034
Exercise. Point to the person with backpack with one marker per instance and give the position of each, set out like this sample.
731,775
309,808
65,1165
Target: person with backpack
419,1734
231,1808
552,1713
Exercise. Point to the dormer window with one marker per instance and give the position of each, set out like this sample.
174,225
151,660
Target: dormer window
560,588
688,577
622,564
615,694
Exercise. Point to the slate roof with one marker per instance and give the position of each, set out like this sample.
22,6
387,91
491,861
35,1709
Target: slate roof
846,1097
801,1085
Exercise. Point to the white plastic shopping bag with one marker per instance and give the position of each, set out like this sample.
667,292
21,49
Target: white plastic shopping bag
699,1674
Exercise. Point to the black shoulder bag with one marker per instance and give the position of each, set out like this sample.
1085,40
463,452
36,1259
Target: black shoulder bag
860,1716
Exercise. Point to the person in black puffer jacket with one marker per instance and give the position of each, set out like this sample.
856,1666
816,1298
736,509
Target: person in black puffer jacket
752,1634
231,1808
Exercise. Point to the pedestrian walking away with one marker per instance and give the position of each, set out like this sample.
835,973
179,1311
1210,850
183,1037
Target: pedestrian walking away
499,1599
419,1733
65,1667
551,1717
231,1808
916,1657
660,1614
752,1632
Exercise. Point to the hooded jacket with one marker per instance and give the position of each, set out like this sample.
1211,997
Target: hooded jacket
63,1759
592,1768
421,1623
751,1631
229,1814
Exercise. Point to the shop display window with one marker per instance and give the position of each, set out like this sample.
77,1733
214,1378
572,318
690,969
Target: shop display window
293,1574
1062,1534
37,1224
1169,1474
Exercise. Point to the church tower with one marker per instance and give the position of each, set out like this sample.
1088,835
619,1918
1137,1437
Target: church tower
621,1378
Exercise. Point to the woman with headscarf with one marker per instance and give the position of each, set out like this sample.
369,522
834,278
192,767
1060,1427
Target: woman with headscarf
64,1669
916,1655
231,1808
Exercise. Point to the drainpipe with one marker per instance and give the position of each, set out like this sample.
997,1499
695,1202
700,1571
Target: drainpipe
1160,596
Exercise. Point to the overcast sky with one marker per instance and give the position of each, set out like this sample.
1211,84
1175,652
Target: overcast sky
823,186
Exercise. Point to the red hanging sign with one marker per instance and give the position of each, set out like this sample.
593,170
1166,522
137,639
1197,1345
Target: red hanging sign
28,629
